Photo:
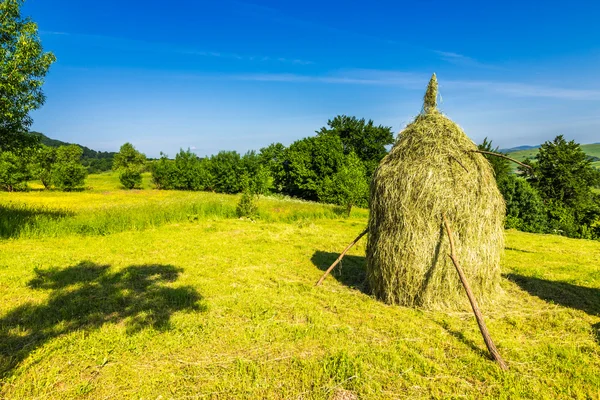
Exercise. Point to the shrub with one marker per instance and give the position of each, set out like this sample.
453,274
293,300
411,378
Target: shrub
68,173
525,209
247,205
130,178
14,173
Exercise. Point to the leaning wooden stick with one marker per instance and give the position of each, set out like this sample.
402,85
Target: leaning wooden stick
484,331
341,256
502,156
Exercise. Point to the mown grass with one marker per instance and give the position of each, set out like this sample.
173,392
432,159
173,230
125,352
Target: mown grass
105,209
227,308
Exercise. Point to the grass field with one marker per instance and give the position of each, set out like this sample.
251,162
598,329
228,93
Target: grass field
216,307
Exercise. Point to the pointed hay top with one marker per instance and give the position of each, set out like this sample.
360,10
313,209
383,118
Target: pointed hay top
430,99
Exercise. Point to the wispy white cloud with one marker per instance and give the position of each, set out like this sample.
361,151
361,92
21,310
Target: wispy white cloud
166,47
417,81
462,60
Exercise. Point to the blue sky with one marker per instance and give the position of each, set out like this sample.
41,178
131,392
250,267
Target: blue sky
237,75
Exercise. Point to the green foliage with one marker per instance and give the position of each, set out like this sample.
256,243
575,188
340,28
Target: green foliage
44,160
274,158
14,172
130,163
348,186
362,137
23,66
247,205
500,165
68,173
309,161
226,169
163,172
525,209
129,158
130,178
563,175
256,173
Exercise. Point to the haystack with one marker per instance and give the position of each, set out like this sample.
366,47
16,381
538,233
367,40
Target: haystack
433,170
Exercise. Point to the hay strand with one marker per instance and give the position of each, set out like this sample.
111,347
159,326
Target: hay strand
332,266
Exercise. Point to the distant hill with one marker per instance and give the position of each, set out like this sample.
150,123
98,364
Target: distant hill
522,152
95,161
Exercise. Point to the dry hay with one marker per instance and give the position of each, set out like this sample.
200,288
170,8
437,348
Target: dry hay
432,170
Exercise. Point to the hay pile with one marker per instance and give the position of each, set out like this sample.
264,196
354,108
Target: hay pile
432,170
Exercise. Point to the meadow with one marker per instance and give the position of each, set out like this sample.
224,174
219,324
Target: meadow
152,294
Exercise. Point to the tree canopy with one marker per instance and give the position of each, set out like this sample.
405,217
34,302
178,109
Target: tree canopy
23,66
364,138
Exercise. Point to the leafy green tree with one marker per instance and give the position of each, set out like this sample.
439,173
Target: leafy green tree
256,173
564,177
14,172
192,172
525,209
364,138
130,163
68,173
273,157
227,171
500,165
309,161
23,66
163,172
44,161
348,186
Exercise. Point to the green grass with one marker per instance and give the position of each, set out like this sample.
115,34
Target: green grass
227,308
105,209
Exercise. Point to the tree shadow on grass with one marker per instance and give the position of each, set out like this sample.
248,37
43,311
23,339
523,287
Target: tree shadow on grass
16,218
87,296
565,294
351,271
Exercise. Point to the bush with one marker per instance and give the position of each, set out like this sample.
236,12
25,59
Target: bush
68,173
525,209
14,173
247,206
163,173
131,178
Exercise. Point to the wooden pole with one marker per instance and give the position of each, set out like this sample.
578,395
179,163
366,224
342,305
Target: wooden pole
484,331
341,256
502,156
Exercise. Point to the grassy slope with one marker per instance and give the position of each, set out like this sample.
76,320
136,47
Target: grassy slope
227,308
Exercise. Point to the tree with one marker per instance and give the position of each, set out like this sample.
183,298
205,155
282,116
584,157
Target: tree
362,137
525,209
192,172
273,157
68,173
309,161
226,171
23,66
14,171
257,174
130,164
348,186
564,177
163,172
44,161
500,165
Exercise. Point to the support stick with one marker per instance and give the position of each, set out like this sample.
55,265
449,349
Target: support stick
502,156
484,331
341,256
458,161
